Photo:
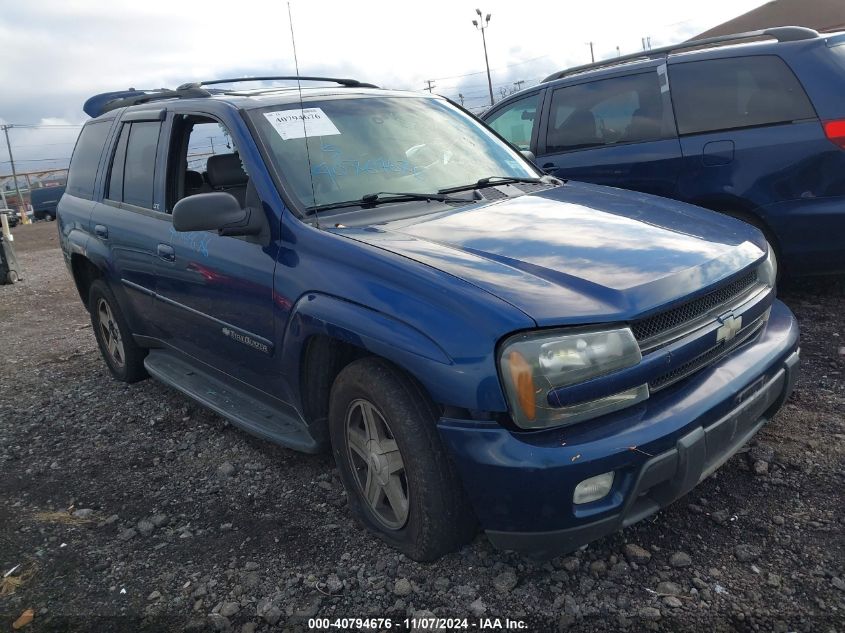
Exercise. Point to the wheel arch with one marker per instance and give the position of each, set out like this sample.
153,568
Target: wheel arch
740,209
325,334
84,273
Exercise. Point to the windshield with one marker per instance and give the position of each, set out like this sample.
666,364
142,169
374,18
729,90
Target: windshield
362,146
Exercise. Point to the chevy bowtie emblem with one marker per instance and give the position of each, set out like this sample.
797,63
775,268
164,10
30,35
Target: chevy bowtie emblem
731,325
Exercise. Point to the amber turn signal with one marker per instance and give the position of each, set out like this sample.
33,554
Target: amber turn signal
523,380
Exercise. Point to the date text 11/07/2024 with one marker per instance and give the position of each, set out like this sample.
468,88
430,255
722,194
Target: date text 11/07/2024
417,624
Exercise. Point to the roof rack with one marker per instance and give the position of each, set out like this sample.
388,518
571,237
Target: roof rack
107,101
349,83
779,33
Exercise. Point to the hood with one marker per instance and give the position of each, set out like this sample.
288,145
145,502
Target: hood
578,253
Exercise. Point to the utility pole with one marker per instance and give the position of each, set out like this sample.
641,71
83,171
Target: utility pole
618,52
518,84
211,138
21,206
485,23
647,43
430,85
592,55
461,97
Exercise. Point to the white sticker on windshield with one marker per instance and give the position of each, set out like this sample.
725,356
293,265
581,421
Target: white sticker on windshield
289,123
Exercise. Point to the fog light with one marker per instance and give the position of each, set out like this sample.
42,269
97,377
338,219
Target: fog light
593,488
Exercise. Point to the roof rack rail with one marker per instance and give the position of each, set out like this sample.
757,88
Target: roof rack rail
779,33
349,83
107,101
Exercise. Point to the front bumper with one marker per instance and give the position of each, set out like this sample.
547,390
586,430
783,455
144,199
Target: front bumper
521,484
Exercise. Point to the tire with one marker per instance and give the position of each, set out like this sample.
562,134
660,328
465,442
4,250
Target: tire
438,518
49,217
12,277
113,335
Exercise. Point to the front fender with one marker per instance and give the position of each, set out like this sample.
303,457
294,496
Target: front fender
468,384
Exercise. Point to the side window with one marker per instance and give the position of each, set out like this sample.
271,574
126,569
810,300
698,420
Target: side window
139,171
724,94
516,122
86,157
203,158
625,109
132,175
115,190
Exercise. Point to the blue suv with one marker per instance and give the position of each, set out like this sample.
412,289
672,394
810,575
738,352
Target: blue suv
755,130
377,273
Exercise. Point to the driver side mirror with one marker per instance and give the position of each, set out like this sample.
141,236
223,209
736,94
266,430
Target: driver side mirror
529,155
215,211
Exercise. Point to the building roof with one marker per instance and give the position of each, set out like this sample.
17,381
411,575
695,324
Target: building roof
821,15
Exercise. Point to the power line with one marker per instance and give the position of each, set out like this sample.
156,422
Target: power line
34,160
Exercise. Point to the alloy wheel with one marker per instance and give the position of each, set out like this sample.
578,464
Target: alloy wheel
110,332
377,463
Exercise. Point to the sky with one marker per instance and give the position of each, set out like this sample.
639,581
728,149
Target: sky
58,53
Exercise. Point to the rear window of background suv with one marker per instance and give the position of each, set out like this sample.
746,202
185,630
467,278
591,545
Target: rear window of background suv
86,158
737,92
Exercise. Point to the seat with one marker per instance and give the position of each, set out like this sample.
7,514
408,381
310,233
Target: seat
578,130
644,126
194,183
225,173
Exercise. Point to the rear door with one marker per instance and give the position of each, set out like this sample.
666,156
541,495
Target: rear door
617,131
750,138
128,221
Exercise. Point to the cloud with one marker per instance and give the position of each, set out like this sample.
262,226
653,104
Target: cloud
58,53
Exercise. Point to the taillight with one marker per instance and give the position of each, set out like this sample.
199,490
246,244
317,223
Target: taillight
835,131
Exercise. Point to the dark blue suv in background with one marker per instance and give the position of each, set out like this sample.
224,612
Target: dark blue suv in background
754,130
378,273
44,202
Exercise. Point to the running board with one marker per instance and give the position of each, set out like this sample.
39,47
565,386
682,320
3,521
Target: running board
241,409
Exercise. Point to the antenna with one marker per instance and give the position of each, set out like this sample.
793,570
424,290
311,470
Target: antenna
302,114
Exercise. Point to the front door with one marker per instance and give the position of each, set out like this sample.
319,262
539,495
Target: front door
214,293
618,131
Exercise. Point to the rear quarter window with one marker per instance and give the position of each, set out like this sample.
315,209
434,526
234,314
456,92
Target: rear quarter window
132,175
724,94
86,158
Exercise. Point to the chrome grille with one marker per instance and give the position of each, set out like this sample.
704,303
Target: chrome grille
653,326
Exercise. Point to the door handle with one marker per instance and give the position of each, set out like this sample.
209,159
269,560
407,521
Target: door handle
547,167
166,252
101,231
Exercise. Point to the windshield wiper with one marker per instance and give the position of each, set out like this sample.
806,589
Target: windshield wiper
383,197
500,180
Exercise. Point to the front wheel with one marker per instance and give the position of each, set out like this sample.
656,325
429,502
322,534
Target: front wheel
125,359
399,480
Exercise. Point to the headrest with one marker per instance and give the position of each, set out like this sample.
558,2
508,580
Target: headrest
193,180
225,170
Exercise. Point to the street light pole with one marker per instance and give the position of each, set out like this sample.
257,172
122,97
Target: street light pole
483,27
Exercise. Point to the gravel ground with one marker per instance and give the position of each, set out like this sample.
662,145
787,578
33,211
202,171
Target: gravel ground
132,508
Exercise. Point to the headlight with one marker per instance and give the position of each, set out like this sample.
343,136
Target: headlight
768,270
534,363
